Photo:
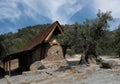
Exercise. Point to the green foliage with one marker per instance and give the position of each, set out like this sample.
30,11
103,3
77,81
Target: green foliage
97,32
117,40
100,25
13,42
91,31
70,52
72,37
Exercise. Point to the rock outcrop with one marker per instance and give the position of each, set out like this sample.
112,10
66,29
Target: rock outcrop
108,64
37,66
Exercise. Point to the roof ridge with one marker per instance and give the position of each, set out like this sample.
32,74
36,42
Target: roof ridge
39,38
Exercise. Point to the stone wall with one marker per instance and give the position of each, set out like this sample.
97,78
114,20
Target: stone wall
54,52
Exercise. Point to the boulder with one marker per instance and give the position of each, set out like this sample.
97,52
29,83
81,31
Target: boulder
54,64
108,64
37,66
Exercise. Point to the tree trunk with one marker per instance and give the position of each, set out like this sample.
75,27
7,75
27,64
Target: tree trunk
88,59
89,56
64,48
119,54
83,60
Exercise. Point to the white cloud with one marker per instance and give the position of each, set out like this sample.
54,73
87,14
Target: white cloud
9,10
61,10
108,5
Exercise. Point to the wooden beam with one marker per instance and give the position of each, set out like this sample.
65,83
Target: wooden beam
10,66
4,66
49,35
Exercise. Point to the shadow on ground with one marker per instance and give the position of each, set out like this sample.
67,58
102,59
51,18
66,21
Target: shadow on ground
69,66
14,72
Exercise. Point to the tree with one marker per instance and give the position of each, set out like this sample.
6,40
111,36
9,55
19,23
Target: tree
71,38
117,40
66,40
97,30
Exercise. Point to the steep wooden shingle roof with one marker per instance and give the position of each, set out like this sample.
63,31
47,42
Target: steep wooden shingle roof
40,38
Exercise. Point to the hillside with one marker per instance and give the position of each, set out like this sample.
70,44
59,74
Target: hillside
13,42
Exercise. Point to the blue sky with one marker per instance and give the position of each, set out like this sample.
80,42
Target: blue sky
15,14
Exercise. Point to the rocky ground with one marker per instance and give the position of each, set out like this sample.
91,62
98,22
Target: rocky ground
70,74
103,76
